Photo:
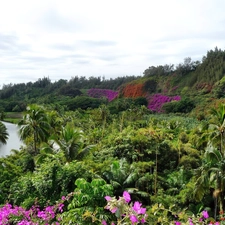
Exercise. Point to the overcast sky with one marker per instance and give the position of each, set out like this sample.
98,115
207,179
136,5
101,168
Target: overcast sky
61,39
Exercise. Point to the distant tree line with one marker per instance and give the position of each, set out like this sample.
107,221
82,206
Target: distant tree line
15,97
62,86
211,68
167,79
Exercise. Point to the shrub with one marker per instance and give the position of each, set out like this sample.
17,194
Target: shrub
139,101
150,86
83,102
183,106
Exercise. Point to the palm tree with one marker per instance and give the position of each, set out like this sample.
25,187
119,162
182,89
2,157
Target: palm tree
46,151
117,175
211,176
54,120
72,143
217,127
3,133
123,176
35,125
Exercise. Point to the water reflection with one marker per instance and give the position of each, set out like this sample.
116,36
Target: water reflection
13,141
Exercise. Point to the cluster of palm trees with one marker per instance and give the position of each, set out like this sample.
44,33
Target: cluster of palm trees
44,132
211,175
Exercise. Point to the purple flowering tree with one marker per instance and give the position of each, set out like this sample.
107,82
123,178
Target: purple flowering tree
99,93
155,102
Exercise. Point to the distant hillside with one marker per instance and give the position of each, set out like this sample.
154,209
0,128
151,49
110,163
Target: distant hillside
193,83
15,97
195,75
201,82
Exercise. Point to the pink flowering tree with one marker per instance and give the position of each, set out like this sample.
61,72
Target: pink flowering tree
34,216
125,211
100,93
156,101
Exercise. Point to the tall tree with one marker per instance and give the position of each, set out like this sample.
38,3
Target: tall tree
35,125
216,129
211,178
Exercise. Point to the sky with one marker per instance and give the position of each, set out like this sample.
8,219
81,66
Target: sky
61,39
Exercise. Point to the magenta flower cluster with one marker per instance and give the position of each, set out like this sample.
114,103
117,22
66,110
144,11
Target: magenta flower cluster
155,102
124,210
99,93
33,216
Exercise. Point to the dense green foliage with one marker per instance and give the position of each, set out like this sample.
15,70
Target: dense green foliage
15,97
153,157
86,148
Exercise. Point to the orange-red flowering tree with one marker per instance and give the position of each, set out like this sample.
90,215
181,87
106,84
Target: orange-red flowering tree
133,91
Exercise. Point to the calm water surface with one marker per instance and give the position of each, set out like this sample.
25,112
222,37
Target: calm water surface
13,141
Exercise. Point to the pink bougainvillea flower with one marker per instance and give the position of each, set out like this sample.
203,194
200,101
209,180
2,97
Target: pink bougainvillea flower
60,207
190,221
143,220
113,210
205,214
137,207
107,198
126,196
133,219
104,222
177,223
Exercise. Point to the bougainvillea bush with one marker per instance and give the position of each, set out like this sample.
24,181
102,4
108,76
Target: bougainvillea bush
34,216
155,102
100,93
125,213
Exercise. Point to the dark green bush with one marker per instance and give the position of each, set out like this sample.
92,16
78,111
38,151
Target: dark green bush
183,106
83,102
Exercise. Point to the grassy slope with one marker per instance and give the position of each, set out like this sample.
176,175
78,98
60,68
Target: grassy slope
13,117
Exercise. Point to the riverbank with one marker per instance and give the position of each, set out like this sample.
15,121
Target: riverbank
13,117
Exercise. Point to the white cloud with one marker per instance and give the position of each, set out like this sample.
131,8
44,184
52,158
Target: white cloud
61,39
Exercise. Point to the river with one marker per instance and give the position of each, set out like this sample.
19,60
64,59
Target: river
13,141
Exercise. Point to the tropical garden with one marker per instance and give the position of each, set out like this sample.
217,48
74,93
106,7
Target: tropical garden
134,150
